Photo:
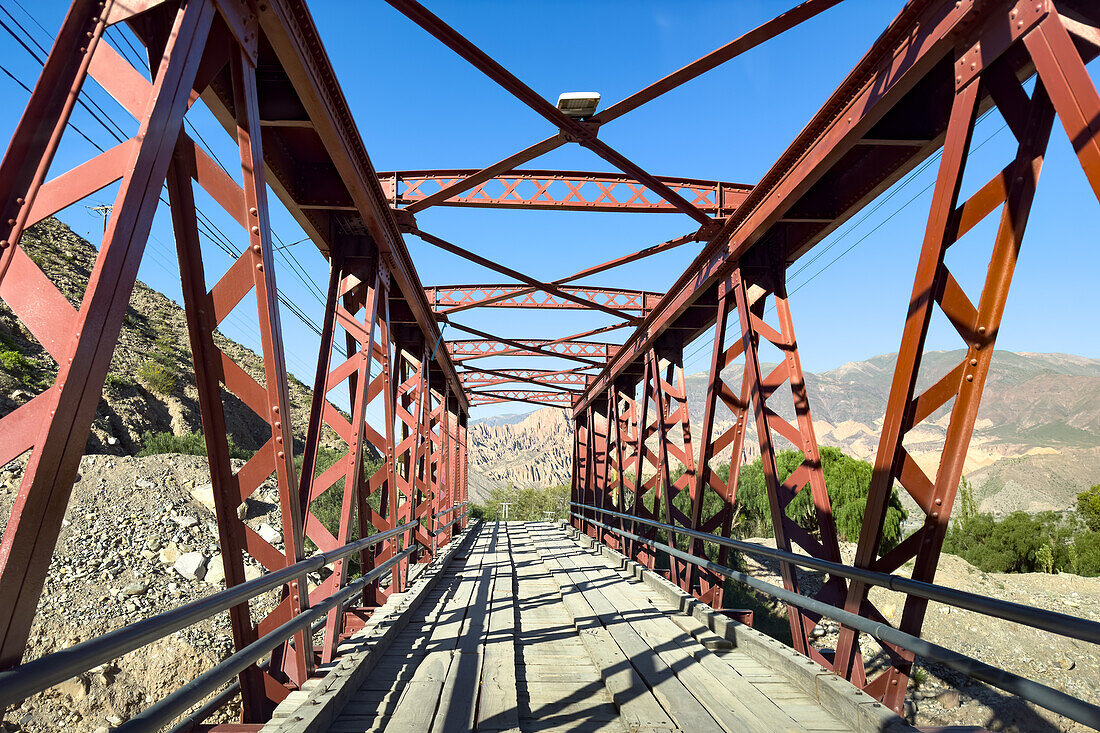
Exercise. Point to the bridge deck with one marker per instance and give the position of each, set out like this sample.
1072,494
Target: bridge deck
529,631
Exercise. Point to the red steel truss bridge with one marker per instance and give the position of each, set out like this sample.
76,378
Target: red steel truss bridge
429,620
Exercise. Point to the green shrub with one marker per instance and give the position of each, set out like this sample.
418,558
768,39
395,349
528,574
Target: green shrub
117,380
527,505
159,377
14,362
192,444
1019,543
1086,547
1088,507
847,480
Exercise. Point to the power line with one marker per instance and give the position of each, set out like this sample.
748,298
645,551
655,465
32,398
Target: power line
206,226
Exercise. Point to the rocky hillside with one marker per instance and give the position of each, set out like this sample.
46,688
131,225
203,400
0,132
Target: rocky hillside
1036,443
534,450
151,383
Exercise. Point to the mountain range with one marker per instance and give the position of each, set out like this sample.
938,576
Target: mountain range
1036,442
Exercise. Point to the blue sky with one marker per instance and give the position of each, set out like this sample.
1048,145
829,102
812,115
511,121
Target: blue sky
419,106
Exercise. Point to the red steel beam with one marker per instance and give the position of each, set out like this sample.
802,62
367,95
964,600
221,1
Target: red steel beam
547,287
734,48
325,147
445,298
593,270
480,376
562,190
583,133
582,351
839,156
520,395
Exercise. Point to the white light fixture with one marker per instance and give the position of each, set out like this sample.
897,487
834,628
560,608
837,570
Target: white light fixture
579,104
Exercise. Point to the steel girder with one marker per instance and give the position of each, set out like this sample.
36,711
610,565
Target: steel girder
562,190
214,49
479,376
584,351
445,298
921,87
483,397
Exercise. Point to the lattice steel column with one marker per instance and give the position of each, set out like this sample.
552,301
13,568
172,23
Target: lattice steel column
55,424
781,492
708,586
1014,187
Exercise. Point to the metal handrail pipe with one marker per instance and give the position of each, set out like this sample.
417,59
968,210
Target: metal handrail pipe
1038,618
443,529
1054,700
195,719
178,702
27,679
437,515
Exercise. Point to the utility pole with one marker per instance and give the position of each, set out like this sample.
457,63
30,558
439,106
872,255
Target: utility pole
104,211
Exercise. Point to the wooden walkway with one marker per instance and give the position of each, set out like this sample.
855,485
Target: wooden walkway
528,631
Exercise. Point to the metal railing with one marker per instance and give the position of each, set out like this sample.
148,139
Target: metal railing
443,529
27,679
1042,695
437,515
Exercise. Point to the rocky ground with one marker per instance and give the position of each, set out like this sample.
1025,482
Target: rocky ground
939,696
138,539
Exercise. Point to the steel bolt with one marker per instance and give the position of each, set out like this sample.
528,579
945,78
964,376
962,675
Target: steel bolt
256,248
3,244
981,329
973,362
260,267
970,377
252,211
255,230
20,201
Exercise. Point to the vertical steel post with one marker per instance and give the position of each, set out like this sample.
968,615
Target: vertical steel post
68,409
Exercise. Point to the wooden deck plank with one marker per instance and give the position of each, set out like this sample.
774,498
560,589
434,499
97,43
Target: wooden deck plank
531,632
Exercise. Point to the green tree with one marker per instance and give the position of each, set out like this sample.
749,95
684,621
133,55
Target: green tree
1045,558
527,505
847,480
1088,507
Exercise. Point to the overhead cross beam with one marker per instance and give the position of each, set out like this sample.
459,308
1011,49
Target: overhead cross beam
734,48
445,298
593,270
583,133
520,395
502,269
583,351
562,191
481,376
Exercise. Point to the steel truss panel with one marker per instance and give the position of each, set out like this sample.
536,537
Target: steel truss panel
475,376
564,190
466,349
483,397
923,84
215,49
443,298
